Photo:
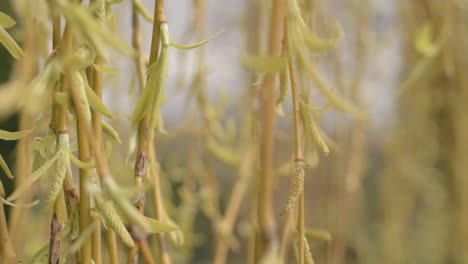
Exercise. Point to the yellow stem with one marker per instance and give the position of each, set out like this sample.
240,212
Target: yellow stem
266,217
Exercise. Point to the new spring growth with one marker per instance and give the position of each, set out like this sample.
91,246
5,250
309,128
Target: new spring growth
61,166
152,97
311,130
297,185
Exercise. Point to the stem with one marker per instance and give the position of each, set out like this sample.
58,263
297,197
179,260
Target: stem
84,152
286,236
158,208
146,252
298,151
234,203
266,217
95,81
7,254
209,178
28,68
59,124
145,133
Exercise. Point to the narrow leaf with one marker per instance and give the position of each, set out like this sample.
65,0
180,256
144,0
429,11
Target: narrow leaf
5,168
96,103
80,164
10,44
6,135
110,131
28,205
6,21
105,69
196,45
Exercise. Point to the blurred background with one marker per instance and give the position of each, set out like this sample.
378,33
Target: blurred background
394,187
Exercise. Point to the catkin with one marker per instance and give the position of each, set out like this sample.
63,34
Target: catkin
310,128
297,185
284,79
308,254
112,218
60,168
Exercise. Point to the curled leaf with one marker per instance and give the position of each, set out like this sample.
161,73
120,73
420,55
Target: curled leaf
318,44
196,45
28,205
110,131
96,103
334,99
80,164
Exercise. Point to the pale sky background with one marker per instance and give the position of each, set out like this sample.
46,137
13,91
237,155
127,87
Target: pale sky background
223,54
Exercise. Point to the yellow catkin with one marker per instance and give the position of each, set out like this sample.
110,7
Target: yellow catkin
112,218
60,168
308,254
284,79
310,127
297,185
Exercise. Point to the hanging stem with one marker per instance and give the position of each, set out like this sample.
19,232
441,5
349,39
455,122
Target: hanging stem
209,179
59,124
266,217
298,151
145,133
7,254
235,200
158,209
28,67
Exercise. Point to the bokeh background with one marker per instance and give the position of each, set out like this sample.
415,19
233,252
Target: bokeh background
394,187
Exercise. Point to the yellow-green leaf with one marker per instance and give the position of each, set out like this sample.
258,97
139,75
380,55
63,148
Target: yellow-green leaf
110,131
196,45
28,205
318,234
96,103
423,41
80,164
5,168
133,215
10,44
6,135
104,69
318,44
6,21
